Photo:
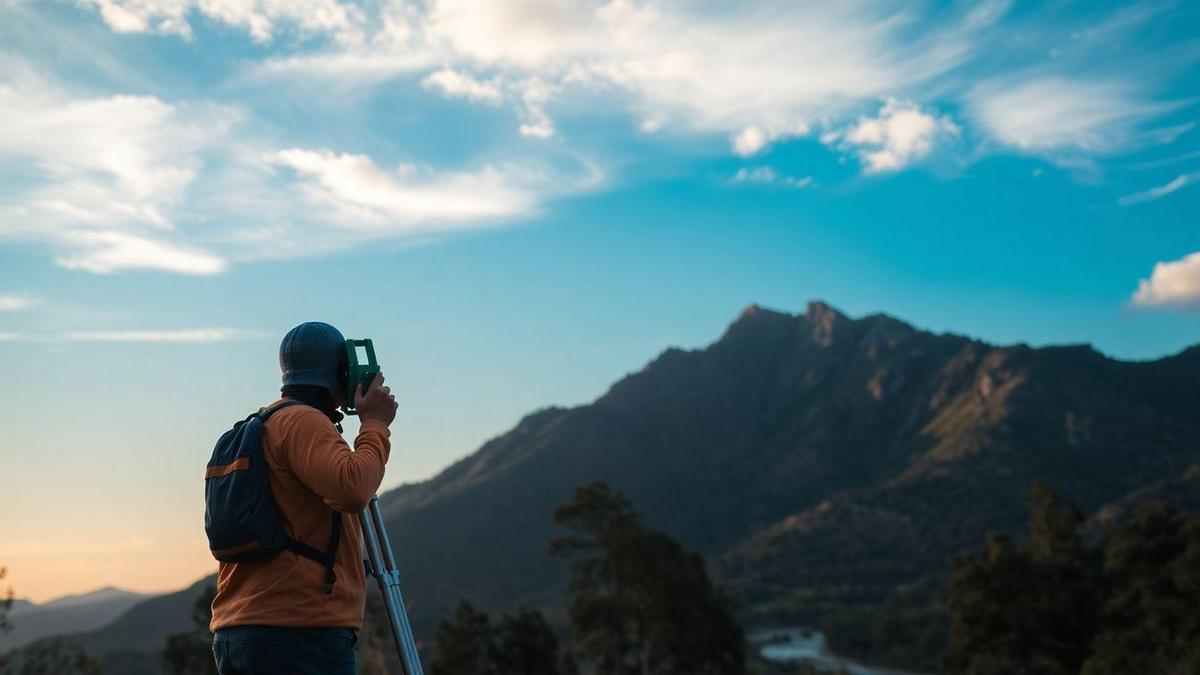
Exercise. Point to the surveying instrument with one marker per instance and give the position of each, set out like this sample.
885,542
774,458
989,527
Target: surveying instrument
381,562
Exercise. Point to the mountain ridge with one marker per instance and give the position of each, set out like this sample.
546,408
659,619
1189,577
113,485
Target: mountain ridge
830,403
817,461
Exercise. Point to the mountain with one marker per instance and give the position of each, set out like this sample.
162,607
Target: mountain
819,462
68,614
816,460
132,642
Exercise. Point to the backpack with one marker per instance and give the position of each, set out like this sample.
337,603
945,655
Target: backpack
240,515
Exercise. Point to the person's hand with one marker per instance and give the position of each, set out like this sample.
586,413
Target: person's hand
377,403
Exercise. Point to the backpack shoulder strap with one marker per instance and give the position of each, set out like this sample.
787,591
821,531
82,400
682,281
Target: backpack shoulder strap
329,557
264,413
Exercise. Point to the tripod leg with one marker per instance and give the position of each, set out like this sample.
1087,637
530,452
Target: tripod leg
383,565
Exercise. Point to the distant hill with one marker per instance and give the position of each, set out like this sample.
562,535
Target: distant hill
131,642
817,461
72,613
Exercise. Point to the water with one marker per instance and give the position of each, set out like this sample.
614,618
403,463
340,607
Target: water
792,644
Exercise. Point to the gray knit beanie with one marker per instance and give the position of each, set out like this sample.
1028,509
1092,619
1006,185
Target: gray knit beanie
311,353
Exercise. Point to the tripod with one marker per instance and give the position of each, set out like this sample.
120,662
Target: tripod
382,564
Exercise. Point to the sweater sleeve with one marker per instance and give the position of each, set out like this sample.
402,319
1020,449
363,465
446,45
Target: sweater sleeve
321,459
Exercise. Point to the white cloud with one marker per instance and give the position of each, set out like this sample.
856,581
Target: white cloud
359,195
12,303
753,139
1171,284
766,175
898,136
1059,116
184,335
105,252
535,94
261,19
1160,191
758,73
101,177
456,84
112,184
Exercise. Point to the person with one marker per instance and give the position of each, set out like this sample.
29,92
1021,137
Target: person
282,614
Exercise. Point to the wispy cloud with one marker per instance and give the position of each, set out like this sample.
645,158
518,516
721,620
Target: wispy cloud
765,175
183,335
186,335
357,194
1161,190
112,182
1172,284
456,84
261,19
758,73
11,303
1062,117
120,183
105,252
101,177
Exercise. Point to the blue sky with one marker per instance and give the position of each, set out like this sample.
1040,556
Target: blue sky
523,201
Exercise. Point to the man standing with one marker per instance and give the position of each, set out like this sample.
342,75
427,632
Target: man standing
288,613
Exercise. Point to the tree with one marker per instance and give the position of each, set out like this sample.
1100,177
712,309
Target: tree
462,644
6,602
640,603
1152,589
1029,607
190,653
521,643
53,657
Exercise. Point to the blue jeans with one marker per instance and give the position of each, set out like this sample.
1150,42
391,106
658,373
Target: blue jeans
267,650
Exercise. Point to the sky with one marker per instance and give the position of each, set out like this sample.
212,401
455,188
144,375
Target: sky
522,202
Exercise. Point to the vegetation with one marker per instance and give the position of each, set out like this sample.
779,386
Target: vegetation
521,643
1049,604
907,631
190,653
640,605
1027,607
6,602
51,657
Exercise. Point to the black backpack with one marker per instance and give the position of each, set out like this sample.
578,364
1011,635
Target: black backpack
240,516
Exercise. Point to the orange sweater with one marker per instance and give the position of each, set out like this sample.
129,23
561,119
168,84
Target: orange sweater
311,470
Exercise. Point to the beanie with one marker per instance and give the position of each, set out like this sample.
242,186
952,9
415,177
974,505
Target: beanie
311,354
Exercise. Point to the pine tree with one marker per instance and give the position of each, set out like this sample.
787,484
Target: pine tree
524,644
1028,608
463,643
640,603
6,602
54,657
1152,579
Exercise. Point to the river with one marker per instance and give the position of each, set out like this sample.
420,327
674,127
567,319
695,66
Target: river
793,644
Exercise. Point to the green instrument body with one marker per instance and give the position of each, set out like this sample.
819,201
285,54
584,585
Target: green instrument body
358,373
